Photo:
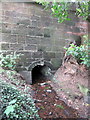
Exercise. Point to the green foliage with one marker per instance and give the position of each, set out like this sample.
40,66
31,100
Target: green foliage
83,10
16,106
9,61
9,109
81,53
61,9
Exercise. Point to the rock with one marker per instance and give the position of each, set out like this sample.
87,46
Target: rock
50,113
36,101
87,99
42,84
44,95
49,91
66,113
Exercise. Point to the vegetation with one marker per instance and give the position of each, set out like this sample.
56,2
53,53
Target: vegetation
15,105
9,61
61,10
81,53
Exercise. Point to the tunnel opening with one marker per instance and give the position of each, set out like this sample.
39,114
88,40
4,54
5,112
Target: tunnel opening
40,74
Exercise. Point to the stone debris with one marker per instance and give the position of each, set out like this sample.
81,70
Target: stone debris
42,84
49,91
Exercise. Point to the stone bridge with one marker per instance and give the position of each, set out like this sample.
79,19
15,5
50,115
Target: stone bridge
29,29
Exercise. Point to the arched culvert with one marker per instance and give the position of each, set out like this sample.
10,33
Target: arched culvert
38,74
41,71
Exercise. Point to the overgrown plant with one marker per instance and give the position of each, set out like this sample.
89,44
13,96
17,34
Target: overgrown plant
61,9
81,53
15,105
9,61
83,10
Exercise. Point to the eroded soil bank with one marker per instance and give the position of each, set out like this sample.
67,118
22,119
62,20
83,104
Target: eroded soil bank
71,82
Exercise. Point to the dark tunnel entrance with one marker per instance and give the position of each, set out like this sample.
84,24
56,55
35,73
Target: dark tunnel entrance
40,74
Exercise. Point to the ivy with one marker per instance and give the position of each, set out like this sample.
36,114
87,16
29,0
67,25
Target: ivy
61,10
16,106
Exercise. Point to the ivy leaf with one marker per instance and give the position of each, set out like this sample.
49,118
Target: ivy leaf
52,9
79,10
9,109
12,101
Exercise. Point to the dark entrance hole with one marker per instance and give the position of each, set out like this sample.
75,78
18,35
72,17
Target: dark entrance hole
40,74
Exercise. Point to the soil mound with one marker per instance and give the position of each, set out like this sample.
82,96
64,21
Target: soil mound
71,84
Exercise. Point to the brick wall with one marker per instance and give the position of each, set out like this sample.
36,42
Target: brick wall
29,29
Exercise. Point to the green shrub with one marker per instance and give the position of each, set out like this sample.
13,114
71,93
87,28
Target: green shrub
14,106
81,53
9,61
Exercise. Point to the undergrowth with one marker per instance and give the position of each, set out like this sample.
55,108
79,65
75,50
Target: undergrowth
16,106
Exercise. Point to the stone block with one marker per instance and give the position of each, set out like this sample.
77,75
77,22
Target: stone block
58,55
46,32
4,46
21,39
41,48
21,29
9,38
25,22
0,37
57,48
35,17
36,23
75,29
37,55
35,31
46,21
33,40
49,54
56,62
46,41
6,28
30,47
16,47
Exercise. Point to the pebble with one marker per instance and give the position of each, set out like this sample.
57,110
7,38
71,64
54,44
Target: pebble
42,84
44,95
35,101
49,91
66,112
50,113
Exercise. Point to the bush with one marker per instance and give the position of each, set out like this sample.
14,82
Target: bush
14,106
9,61
81,53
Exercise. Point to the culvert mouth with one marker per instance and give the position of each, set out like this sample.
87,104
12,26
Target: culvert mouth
40,74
